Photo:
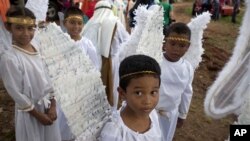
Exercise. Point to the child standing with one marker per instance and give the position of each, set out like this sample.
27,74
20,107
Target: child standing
139,87
176,89
26,81
73,22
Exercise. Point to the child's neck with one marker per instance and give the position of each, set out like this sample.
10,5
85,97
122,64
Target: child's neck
76,38
27,47
136,122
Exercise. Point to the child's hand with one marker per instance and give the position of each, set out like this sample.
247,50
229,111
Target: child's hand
41,117
52,113
180,122
44,119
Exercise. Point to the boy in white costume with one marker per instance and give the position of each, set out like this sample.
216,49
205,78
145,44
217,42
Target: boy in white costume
139,87
176,89
73,22
25,79
107,34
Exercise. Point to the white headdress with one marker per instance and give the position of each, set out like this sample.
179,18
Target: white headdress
232,87
99,29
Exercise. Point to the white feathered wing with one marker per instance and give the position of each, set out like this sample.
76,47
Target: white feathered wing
230,91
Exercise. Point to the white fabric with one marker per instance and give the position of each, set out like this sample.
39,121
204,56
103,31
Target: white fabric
116,130
93,30
101,26
5,40
80,91
39,8
120,10
25,80
175,92
147,37
89,50
197,26
238,91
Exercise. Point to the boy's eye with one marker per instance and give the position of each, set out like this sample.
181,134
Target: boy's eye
19,27
80,23
154,93
138,93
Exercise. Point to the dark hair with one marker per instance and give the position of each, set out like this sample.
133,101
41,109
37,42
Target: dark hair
17,11
137,63
179,28
73,11
132,10
16,2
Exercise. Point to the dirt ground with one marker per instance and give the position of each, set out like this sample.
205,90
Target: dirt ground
219,39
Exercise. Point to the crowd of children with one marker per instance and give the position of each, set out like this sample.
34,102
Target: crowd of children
156,97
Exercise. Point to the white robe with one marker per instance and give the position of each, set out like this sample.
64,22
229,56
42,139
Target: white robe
26,82
120,36
89,49
116,130
175,94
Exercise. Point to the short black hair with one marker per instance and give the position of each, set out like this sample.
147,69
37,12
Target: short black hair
73,11
137,63
179,28
18,11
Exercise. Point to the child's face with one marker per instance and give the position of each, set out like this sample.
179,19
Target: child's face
175,47
22,34
142,95
74,26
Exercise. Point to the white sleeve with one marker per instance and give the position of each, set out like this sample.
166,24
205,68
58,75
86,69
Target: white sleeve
110,132
13,81
91,52
186,98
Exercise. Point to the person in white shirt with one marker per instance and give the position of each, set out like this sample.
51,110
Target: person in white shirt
107,33
73,22
177,76
26,81
139,88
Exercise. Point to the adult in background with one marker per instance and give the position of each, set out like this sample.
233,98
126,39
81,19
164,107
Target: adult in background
236,9
107,34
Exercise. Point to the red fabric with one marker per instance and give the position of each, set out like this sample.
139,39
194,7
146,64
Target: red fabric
4,6
89,7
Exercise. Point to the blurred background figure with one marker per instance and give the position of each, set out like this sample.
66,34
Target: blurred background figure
236,9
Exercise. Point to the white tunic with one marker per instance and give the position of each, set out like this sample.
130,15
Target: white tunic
116,130
25,80
90,50
175,94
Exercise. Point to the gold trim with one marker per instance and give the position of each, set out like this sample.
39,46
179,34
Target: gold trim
25,51
178,39
24,20
140,72
78,17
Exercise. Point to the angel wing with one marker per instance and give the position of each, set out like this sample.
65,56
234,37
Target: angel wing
39,8
197,26
151,40
5,38
231,88
147,36
78,85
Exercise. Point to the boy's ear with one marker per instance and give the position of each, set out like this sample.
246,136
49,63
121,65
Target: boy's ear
121,93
